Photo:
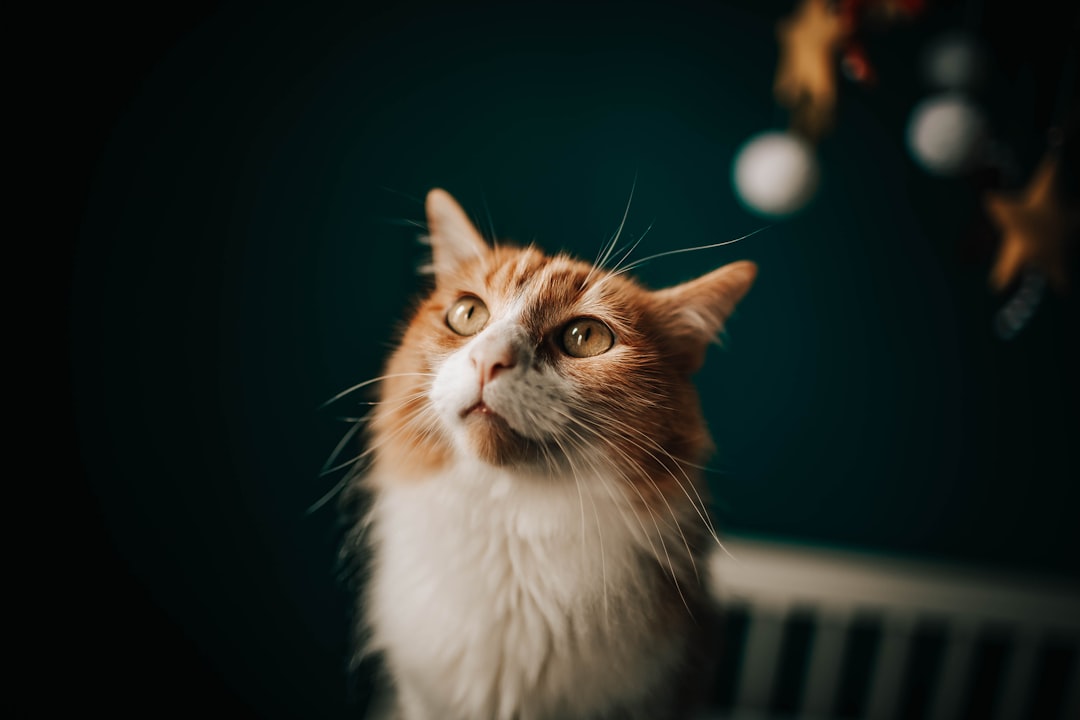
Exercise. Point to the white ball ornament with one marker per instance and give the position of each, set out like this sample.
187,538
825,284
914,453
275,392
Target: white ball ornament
955,61
947,134
775,173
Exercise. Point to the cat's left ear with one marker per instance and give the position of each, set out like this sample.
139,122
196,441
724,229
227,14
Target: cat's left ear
697,310
454,239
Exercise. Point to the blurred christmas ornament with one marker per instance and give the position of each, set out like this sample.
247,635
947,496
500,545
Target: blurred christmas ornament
775,173
806,73
856,64
947,134
955,61
860,15
1014,314
811,38
1037,228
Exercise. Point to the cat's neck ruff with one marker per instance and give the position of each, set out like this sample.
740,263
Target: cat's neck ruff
484,502
503,589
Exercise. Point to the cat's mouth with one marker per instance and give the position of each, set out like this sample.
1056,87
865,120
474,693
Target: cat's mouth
493,439
483,418
480,408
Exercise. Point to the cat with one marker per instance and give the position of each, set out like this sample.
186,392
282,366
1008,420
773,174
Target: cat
536,535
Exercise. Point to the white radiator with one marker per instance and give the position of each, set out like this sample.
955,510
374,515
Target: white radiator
814,633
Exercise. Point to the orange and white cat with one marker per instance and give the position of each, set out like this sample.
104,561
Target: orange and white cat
536,529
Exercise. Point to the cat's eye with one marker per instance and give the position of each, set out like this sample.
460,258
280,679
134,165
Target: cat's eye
586,337
467,316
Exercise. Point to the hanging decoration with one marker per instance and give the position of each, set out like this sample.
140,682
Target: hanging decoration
776,173
806,71
947,134
1036,226
955,61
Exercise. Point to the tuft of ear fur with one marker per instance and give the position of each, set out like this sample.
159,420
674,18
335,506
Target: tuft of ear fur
453,237
698,309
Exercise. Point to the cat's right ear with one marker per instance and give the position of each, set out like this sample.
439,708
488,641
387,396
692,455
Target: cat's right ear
697,310
454,239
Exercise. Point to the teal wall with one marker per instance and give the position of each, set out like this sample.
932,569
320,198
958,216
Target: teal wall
247,251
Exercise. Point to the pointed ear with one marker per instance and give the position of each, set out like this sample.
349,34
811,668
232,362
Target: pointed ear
698,309
452,235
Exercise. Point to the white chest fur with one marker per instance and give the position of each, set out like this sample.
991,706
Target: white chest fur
496,596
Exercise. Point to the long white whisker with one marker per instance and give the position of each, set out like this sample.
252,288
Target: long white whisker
596,515
661,495
340,446
605,252
329,467
357,386
487,213
417,423
700,506
623,257
642,261
405,222
582,444
626,255
648,506
331,493
396,401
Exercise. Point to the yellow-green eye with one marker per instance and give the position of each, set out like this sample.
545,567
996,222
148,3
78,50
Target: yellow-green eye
586,337
467,316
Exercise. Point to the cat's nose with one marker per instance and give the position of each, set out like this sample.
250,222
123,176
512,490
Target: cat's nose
491,355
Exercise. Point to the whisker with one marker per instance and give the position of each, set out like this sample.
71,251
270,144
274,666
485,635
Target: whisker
357,424
487,213
629,251
605,251
700,506
402,193
662,496
330,494
596,515
404,222
648,507
642,261
583,445
339,447
417,422
357,386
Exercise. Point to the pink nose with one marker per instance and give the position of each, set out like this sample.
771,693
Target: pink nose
492,355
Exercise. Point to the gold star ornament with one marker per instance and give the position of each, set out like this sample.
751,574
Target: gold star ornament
806,71
1037,228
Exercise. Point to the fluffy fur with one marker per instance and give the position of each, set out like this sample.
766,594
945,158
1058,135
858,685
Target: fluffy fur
536,531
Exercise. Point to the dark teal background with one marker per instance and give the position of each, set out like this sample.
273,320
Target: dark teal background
245,249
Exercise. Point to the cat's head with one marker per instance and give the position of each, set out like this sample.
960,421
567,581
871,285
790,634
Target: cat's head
518,358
